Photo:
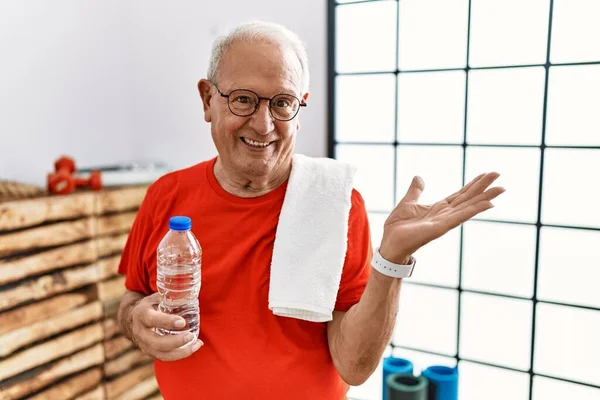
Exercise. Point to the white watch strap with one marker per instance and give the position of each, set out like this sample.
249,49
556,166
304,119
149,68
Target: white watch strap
390,269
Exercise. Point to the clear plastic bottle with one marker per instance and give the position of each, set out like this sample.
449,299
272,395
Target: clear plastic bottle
179,259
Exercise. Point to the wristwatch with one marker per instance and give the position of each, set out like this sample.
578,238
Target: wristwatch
390,269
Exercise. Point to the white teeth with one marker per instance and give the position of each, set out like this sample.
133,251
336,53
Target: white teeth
254,143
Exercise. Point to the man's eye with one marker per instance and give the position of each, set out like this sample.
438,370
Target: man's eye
243,99
282,103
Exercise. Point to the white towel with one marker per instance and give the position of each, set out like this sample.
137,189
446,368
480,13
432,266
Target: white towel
311,239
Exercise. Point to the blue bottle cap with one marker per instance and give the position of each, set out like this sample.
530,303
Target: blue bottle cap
180,223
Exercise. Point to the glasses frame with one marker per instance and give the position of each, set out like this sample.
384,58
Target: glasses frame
257,104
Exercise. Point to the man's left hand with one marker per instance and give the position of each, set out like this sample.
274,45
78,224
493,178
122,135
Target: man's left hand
410,225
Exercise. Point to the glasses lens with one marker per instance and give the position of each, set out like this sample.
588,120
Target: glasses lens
284,107
242,102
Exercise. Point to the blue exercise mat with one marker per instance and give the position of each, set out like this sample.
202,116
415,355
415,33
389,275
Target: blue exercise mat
394,365
443,382
407,387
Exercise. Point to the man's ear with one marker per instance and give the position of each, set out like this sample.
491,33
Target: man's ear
206,93
303,100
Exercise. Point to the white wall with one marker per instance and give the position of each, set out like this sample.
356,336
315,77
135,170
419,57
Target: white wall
64,85
108,81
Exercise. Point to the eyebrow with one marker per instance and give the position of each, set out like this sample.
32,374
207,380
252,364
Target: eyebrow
279,90
287,90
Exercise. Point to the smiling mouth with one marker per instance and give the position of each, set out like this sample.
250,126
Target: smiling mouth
254,143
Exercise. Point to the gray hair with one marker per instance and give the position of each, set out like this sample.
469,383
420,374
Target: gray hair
257,31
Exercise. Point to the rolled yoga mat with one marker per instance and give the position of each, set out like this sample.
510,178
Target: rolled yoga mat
443,382
394,365
407,387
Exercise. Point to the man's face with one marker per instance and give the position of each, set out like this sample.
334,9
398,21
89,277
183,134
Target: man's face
267,70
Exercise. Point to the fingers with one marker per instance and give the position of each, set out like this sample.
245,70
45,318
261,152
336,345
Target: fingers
166,343
156,319
467,210
414,191
455,219
488,195
153,299
450,198
181,352
476,188
168,347
452,216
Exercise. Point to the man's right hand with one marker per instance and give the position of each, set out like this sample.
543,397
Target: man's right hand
141,319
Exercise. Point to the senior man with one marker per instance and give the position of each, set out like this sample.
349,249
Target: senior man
256,85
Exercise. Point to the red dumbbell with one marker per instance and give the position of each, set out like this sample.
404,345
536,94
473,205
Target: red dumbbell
64,180
61,181
94,181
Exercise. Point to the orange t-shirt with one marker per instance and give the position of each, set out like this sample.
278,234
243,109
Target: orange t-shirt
248,353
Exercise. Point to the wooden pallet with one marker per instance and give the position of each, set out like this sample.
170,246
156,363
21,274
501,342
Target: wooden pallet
59,293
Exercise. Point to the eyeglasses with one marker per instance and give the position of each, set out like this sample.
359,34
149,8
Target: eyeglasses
244,102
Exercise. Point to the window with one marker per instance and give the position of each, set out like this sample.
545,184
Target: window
448,89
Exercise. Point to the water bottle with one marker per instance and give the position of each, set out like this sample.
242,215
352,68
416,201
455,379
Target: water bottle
179,257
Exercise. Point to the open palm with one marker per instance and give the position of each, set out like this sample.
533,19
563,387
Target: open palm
410,225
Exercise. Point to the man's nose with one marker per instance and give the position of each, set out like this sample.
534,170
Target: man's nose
262,121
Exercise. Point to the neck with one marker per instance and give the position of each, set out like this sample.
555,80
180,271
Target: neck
250,186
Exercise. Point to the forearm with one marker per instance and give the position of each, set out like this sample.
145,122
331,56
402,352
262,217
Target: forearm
359,338
124,319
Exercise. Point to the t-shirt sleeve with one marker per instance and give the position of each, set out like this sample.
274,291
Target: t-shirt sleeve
133,259
357,265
